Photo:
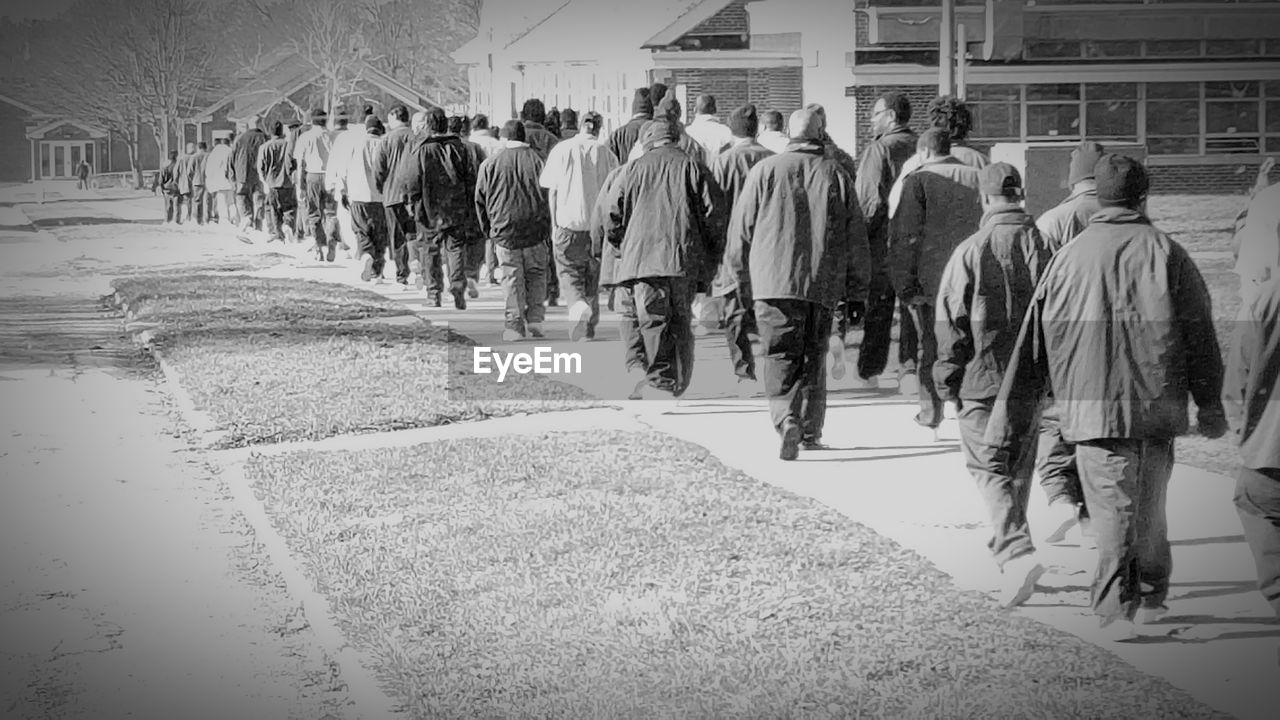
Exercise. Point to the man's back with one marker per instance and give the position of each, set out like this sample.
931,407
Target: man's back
1070,217
576,170
1252,389
940,209
244,155
513,207
198,163
713,135
625,137
391,151
218,168
274,164
439,176
880,165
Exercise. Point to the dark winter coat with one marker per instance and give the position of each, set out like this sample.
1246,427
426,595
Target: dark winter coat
626,137
880,166
395,144
510,202
244,160
438,179
940,208
539,138
730,174
601,248
1252,389
275,165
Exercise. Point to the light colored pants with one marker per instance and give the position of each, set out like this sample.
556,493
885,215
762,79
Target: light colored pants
224,202
524,282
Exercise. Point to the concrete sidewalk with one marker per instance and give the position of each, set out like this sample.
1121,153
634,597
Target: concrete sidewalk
1218,642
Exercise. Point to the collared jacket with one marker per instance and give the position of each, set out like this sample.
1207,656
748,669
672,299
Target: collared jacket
509,201
662,217
574,173
730,174
1252,390
940,208
217,169
438,177
1071,216
166,181
601,248
965,154
184,172
797,232
880,165
684,142
390,154
487,142
775,140
311,151
199,162
713,135
275,165
1257,242
986,289
1120,331
625,137
244,160
538,137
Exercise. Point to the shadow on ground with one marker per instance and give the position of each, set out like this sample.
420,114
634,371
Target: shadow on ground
64,331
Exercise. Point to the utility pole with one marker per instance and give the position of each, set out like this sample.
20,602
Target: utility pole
947,48
962,61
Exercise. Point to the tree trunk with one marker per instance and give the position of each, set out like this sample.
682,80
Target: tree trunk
132,144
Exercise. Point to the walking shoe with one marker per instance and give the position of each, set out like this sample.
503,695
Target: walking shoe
512,335
790,449
1063,516
1019,582
473,288
366,274
871,383
319,249
553,302
459,299
835,345
1119,630
813,443
535,330
331,253
638,378
580,316
1148,615
415,271
908,384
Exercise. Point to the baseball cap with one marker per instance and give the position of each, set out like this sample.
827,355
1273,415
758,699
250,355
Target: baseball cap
1000,179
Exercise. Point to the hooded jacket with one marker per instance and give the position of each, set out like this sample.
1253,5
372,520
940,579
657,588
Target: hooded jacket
438,179
510,203
986,289
940,208
798,219
1252,390
1120,331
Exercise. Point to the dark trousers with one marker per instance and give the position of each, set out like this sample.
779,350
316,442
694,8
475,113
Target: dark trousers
524,283
1056,461
579,271
1126,484
199,204
793,339
369,224
252,202
663,314
877,330
740,322
322,212
425,248
1005,497
457,250
172,208
553,277
1257,501
629,329
281,206
399,228
931,405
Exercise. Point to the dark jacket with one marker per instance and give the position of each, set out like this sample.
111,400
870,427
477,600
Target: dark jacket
198,162
438,179
1251,393
662,217
730,175
166,180
626,137
880,166
539,138
394,146
244,160
1119,331
601,248
940,208
275,165
797,232
184,171
510,202
986,289
1070,217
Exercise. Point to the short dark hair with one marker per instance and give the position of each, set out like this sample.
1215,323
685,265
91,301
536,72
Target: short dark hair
592,122
899,103
456,124
202,145
771,119
277,129
936,140
705,105
366,111
513,130
437,121
399,112
173,154
569,119
480,122
951,114
534,111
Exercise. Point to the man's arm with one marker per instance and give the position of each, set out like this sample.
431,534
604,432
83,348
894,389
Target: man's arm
858,279
871,171
709,203
619,212
482,198
742,227
955,336
1193,309
906,236
1014,414
1244,347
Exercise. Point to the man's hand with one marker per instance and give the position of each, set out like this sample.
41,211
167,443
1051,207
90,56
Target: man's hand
1211,422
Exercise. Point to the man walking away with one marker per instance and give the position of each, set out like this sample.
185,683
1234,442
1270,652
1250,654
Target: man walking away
1121,374
480,135
1071,216
940,208
400,225
512,209
573,176
625,137
661,219
218,180
474,257
951,114
569,124
167,183
311,154
986,289
730,174
798,246
707,130
879,167
772,137
199,194
358,190
82,174
344,141
439,181
275,169
184,174
1252,389
538,137
247,184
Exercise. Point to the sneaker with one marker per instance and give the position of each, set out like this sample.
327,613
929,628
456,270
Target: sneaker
1121,630
459,299
512,335
637,378
1149,615
331,253
415,272
813,444
871,383
366,273
580,316
535,330
908,384
319,250
289,236
1019,579
1062,517
790,440
835,345
473,288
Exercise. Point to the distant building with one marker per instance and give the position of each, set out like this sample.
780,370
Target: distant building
38,145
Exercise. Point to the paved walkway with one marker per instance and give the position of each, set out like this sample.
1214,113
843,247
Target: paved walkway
885,472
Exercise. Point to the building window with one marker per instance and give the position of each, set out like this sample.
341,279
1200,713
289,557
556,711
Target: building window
1113,49
1052,50
997,111
1233,48
1111,111
1231,117
1173,118
1172,48
1053,111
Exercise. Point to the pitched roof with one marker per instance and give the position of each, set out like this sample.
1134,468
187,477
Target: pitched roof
92,131
624,24
23,106
698,14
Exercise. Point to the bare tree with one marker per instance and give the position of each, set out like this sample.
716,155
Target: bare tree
327,36
412,40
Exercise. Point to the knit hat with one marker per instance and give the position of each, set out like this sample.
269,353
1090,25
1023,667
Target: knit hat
669,108
806,124
319,114
1000,179
657,91
743,122
1121,180
1083,160
642,105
